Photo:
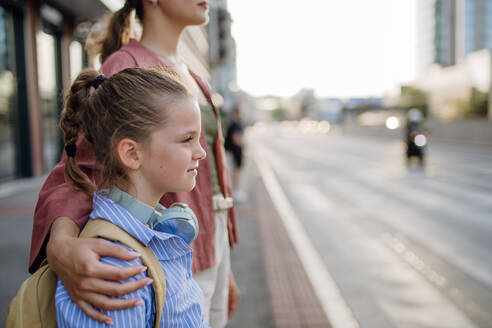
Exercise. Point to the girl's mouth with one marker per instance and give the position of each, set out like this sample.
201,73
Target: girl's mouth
193,170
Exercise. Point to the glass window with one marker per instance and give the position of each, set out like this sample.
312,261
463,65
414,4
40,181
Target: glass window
48,92
488,28
8,94
469,26
76,59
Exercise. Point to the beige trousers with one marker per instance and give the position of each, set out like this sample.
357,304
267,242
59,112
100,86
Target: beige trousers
214,281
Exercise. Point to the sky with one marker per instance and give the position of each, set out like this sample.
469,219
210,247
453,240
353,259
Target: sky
340,48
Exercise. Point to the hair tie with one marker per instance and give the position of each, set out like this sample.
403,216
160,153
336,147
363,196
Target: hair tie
71,149
98,81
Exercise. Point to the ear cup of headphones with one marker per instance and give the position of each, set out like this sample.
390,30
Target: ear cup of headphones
179,220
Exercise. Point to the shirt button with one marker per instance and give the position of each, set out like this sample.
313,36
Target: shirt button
188,275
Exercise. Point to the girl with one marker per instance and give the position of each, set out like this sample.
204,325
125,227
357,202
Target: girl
76,260
145,127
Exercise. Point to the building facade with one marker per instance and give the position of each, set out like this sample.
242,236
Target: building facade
449,30
477,25
445,32
40,47
222,56
425,35
41,52
454,41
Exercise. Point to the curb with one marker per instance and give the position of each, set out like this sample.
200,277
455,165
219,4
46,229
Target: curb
328,294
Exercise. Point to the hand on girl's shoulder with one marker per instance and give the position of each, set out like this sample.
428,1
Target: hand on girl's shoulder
69,314
124,263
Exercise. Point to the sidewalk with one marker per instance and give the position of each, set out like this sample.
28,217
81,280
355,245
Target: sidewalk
266,258
275,291
17,201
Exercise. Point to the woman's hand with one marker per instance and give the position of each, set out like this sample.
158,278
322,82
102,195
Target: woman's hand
76,261
233,296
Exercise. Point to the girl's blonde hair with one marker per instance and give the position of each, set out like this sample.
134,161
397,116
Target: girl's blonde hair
130,104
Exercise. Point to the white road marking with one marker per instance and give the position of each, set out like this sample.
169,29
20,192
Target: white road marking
428,306
329,296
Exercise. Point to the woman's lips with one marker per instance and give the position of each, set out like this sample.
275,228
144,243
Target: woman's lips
203,4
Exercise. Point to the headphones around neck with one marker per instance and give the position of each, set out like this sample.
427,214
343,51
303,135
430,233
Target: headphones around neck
178,219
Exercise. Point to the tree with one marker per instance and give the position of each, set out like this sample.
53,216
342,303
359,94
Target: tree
478,104
413,97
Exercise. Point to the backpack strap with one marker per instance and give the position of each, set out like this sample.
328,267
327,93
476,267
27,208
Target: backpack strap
105,229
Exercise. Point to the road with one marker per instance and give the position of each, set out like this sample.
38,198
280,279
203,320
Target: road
406,247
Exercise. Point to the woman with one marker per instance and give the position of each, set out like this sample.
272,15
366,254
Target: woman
60,213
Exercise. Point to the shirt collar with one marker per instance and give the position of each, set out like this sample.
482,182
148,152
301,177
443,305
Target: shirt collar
141,211
111,210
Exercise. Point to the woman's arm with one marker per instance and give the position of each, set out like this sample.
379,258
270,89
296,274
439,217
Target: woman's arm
76,261
234,295
71,314
59,216
56,199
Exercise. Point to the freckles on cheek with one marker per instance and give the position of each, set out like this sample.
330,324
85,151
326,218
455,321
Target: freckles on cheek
162,166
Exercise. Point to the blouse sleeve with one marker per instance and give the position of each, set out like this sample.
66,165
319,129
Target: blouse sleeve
68,314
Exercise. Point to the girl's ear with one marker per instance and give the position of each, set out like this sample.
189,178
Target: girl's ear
128,153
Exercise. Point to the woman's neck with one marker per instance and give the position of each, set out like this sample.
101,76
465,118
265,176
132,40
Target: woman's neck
162,36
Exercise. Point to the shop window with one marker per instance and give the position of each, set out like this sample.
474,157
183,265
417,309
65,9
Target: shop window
76,59
8,97
50,98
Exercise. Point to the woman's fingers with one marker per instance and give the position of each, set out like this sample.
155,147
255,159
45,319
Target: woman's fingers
86,259
93,313
97,269
106,248
112,288
109,304
78,265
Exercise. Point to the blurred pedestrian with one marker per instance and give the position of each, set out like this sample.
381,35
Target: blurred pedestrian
234,144
61,213
416,136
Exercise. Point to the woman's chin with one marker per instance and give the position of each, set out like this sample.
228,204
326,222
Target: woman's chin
199,20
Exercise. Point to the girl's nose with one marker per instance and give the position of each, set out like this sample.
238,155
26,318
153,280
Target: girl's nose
200,153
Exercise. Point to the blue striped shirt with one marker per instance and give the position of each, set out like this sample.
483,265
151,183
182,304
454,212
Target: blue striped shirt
184,298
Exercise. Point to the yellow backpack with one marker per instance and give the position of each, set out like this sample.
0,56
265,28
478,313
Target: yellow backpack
34,304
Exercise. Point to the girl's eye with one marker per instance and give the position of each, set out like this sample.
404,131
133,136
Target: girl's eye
188,139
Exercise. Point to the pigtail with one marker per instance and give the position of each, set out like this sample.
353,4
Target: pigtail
76,102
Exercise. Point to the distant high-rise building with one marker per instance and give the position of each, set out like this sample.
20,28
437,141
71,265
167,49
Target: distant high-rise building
478,25
425,35
445,32
448,30
222,55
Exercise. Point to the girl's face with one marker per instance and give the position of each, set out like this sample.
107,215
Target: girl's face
185,12
169,158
